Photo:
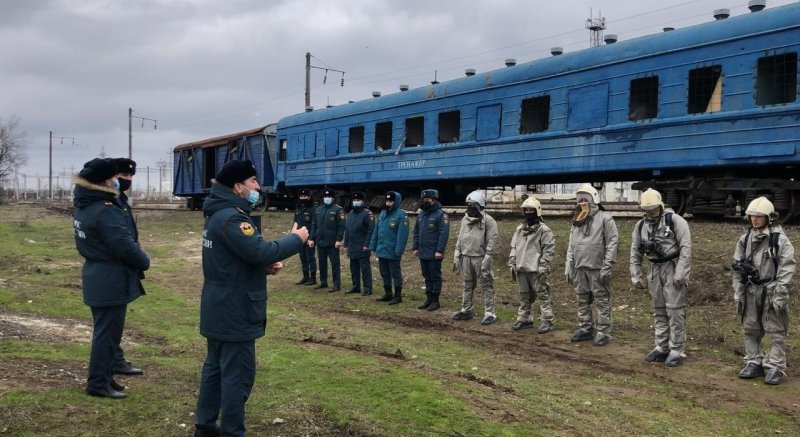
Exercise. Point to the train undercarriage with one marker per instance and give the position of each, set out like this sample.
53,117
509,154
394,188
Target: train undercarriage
727,196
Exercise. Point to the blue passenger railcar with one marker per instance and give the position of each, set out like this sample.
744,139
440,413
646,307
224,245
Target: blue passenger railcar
196,163
705,113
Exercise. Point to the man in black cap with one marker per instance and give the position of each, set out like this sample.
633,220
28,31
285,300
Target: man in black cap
327,232
430,240
303,216
357,235
233,305
126,168
111,271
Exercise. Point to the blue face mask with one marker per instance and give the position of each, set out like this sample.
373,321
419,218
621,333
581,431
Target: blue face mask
116,184
327,200
358,204
253,197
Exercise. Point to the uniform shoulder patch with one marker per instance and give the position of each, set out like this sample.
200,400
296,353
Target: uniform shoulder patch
341,214
405,220
445,219
247,229
108,203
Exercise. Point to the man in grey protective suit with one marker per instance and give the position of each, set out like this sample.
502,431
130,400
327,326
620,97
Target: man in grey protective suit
591,253
473,258
664,238
762,271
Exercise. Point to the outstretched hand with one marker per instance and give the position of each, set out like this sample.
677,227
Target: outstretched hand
301,232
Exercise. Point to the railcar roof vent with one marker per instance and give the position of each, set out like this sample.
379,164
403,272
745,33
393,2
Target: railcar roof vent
756,5
376,94
403,87
309,108
510,62
469,72
555,51
351,101
668,29
434,82
329,105
610,38
721,14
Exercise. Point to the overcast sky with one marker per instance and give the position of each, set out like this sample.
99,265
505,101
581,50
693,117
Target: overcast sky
205,68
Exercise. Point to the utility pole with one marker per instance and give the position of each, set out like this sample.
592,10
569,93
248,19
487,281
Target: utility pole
324,79
130,129
161,164
50,178
147,196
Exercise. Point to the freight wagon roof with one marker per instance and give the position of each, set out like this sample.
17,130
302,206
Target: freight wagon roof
218,141
741,26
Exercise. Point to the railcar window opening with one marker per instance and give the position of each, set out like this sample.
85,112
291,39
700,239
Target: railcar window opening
415,132
643,103
776,79
209,165
282,150
705,90
383,136
534,115
356,143
449,127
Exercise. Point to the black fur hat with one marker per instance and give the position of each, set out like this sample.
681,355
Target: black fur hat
236,171
125,165
98,170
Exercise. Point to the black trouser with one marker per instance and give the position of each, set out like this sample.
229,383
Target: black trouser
227,379
390,272
107,333
360,268
308,261
332,253
432,272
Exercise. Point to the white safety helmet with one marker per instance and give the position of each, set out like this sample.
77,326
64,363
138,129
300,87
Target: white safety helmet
477,197
651,199
762,206
588,189
532,203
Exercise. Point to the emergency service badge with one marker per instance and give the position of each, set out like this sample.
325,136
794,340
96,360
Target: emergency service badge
445,218
247,229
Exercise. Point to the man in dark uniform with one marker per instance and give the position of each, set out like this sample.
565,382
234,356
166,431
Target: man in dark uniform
126,168
327,233
357,235
111,271
233,306
430,240
303,216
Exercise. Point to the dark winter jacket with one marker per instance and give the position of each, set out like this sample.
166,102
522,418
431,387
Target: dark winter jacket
102,236
431,232
358,232
233,306
328,225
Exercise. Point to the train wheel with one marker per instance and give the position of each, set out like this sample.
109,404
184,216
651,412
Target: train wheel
677,201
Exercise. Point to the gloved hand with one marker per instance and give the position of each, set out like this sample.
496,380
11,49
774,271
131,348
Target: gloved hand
778,302
605,276
680,282
486,264
568,276
513,274
457,266
638,283
542,270
739,307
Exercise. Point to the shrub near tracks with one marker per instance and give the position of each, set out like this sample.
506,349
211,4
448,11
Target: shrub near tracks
335,364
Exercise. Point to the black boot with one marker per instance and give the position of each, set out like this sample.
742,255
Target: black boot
387,294
312,279
398,296
428,300
304,280
434,303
